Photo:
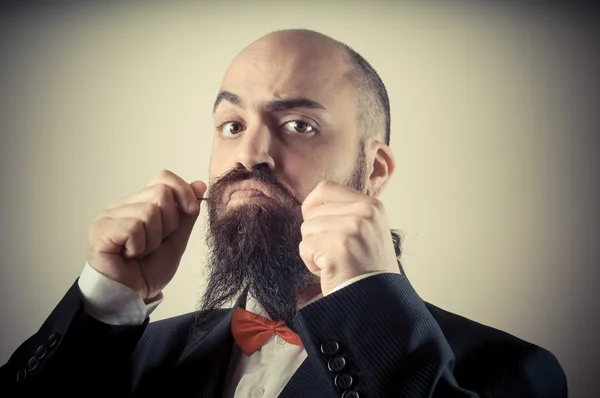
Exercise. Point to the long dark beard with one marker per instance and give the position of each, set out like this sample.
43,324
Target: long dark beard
254,246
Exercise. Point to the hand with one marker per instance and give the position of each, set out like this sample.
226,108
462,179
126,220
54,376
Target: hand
345,234
139,240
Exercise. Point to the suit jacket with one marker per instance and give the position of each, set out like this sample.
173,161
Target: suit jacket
376,334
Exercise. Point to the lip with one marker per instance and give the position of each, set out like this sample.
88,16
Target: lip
246,194
247,190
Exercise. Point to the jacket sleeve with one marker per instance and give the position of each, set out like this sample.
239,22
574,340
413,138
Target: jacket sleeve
376,338
72,350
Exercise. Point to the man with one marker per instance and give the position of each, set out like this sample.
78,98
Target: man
299,244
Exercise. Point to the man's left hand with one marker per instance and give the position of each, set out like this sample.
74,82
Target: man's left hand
345,234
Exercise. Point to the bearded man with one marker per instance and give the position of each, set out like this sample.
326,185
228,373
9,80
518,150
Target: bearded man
298,243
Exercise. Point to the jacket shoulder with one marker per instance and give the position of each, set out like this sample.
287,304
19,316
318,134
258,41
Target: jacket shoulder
489,358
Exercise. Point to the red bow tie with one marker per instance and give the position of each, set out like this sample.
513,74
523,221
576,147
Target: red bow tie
252,331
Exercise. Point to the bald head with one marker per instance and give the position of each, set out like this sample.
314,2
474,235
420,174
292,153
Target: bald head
309,108
325,56
301,41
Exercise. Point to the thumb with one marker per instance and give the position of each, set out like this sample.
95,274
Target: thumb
199,188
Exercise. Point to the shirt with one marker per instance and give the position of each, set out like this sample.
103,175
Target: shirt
262,374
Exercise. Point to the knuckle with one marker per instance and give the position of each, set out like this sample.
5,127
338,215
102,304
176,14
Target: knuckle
150,211
325,260
163,174
163,192
97,234
161,177
307,246
97,226
303,249
303,230
136,227
99,217
367,210
377,204
115,203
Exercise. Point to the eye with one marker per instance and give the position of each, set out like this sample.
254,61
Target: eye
230,129
298,126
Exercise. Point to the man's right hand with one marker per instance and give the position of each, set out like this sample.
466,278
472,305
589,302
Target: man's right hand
139,240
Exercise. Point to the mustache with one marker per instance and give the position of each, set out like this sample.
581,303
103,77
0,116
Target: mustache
259,173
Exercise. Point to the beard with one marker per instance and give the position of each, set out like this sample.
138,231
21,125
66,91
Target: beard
253,247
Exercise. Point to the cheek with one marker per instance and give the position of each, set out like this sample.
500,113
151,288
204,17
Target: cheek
299,173
220,161
217,166
303,174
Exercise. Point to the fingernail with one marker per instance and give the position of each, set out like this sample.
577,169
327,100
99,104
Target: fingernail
194,206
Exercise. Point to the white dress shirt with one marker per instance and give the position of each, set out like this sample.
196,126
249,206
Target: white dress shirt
262,374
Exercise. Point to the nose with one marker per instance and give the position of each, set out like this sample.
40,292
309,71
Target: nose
255,148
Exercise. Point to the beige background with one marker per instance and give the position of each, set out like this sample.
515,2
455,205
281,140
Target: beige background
496,189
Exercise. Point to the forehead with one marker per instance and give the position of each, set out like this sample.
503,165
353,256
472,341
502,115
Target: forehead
280,70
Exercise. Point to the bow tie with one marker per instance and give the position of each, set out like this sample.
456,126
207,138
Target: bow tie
252,331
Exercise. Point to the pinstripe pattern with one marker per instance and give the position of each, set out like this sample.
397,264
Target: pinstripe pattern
395,345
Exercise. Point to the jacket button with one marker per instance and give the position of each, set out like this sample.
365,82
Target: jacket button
32,364
337,363
330,348
350,394
21,375
40,352
343,381
52,340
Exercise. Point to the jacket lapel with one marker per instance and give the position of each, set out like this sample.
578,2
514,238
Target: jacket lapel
203,364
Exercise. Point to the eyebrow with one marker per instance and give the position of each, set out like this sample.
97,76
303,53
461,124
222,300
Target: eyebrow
271,106
229,97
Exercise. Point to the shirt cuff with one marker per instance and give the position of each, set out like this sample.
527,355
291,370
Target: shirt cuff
346,284
111,302
356,279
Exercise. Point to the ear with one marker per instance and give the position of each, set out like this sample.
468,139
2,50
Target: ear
381,167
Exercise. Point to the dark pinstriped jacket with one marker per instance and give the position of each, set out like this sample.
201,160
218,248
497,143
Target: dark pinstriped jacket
389,344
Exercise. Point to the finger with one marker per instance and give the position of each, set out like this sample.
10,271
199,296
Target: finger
346,225
122,235
151,215
199,188
179,239
367,210
182,192
159,195
322,251
329,191
307,255
185,196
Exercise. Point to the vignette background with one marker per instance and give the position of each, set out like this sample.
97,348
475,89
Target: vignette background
494,130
